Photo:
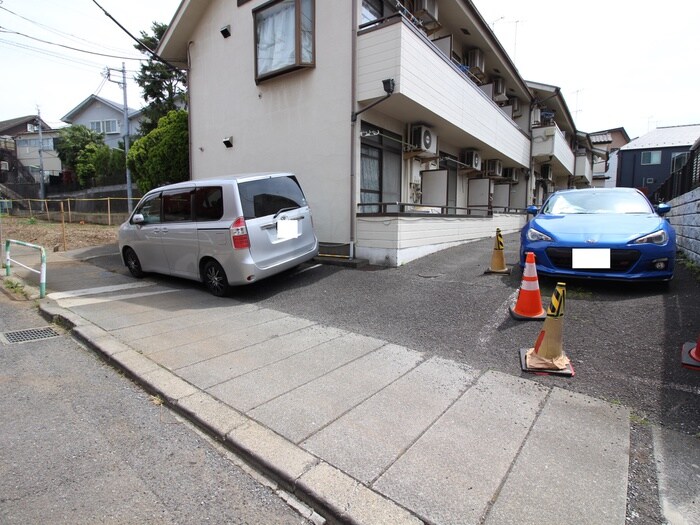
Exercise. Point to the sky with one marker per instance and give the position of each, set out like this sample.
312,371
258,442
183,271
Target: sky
619,63
56,79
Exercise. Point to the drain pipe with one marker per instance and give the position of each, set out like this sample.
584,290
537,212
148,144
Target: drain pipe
353,147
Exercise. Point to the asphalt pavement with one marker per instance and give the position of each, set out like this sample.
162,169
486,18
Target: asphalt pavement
365,430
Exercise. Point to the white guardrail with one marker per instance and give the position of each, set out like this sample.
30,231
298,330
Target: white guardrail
42,272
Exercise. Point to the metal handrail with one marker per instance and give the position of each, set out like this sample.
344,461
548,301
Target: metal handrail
42,272
411,208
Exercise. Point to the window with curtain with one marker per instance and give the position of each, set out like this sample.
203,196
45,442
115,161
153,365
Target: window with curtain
284,37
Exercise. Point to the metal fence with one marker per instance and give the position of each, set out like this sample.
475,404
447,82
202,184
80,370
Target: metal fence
105,210
682,180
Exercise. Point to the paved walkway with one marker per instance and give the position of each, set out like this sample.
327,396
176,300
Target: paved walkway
364,430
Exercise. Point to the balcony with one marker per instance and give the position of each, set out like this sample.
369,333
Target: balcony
431,89
550,145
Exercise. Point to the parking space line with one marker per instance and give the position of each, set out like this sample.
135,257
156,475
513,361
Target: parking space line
72,302
99,290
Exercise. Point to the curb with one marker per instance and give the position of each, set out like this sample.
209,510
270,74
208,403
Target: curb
336,496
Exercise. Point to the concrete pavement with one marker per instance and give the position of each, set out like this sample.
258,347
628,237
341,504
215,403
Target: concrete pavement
363,430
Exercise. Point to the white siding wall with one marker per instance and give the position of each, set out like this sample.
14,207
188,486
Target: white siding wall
424,77
299,122
394,241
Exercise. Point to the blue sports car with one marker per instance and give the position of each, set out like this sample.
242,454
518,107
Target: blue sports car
600,233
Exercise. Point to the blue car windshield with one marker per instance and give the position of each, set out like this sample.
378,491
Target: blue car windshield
597,202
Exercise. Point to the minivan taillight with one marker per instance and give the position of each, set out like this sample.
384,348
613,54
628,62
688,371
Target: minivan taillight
239,234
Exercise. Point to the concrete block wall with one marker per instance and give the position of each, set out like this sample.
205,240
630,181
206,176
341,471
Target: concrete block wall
685,218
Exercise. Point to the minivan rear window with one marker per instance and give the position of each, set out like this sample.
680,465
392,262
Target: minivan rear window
264,197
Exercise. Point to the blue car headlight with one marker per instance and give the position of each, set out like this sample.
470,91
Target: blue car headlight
535,235
658,237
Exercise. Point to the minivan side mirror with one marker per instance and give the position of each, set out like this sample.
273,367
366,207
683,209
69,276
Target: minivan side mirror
663,208
532,210
137,219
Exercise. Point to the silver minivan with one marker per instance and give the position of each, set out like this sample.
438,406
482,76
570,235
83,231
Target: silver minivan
228,231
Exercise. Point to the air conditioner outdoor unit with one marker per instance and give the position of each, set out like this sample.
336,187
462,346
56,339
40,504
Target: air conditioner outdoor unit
546,171
470,159
511,174
515,105
426,8
494,167
423,138
499,86
475,61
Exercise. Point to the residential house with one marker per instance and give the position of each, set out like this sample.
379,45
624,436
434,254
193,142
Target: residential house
648,161
21,156
407,123
106,117
605,166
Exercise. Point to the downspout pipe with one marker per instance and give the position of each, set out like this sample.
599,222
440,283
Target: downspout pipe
353,131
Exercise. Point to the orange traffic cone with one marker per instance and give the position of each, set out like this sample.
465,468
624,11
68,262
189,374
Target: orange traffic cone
529,303
690,355
548,356
498,260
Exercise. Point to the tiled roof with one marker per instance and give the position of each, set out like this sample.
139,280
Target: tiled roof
666,138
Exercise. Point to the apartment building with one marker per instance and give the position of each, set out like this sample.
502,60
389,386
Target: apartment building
407,123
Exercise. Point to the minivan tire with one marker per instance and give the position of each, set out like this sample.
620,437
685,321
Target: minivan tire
133,263
215,279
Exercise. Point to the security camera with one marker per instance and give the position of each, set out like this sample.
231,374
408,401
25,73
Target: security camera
228,142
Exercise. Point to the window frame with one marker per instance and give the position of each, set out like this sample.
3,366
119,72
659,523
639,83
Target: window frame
651,155
113,123
384,143
298,62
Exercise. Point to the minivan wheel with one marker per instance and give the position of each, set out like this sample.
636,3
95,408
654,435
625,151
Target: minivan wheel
133,263
215,279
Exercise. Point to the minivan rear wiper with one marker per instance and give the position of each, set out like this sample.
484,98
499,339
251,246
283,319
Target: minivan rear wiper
289,208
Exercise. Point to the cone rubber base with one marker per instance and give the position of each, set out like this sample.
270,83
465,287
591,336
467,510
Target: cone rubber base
567,372
506,271
519,317
686,359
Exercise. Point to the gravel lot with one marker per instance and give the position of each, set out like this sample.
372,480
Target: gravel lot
54,235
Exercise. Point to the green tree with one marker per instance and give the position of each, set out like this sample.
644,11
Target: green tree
72,141
162,86
97,162
162,156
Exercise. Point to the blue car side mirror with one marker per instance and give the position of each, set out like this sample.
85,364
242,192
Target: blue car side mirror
663,208
532,210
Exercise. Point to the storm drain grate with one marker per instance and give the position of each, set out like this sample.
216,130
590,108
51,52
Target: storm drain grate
30,334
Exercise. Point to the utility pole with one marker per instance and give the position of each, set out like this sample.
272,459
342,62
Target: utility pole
125,135
42,189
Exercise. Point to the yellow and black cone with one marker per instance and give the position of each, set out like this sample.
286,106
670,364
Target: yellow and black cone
547,356
498,259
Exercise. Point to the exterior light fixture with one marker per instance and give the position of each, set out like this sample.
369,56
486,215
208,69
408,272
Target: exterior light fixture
389,86
228,142
226,31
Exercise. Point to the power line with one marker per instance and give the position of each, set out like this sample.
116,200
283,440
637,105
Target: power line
150,51
59,32
10,32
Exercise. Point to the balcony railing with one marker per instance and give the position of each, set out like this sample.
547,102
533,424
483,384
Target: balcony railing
408,209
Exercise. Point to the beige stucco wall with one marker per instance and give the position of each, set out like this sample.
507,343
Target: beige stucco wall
299,122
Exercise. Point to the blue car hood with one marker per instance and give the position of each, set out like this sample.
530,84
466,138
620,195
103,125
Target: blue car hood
597,227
